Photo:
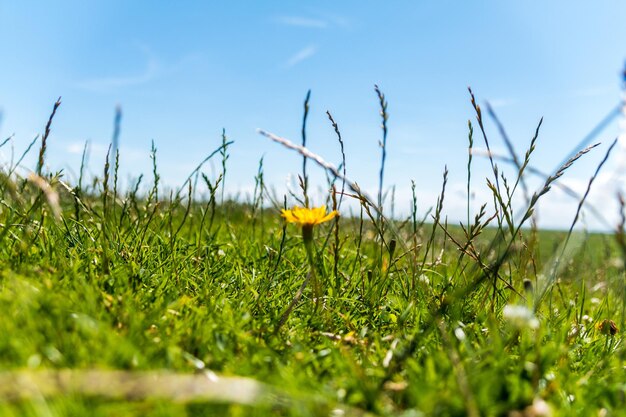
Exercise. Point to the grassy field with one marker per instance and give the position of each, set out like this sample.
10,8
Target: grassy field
122,302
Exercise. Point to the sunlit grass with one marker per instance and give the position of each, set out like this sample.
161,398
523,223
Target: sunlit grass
181,302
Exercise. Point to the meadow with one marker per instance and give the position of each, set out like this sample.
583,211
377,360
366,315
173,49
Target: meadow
155,301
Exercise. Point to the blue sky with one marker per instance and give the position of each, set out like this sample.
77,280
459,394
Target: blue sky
182,71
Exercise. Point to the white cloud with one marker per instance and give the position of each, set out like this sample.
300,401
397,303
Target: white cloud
75,148
99,151
301,55
502,102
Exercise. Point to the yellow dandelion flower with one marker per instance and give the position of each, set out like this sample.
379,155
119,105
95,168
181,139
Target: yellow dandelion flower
308,216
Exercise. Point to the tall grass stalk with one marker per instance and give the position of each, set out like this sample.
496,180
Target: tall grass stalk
470,146
44,138
436,219
559,258
494,167
117,126
383,149
305,178
342,166
224,157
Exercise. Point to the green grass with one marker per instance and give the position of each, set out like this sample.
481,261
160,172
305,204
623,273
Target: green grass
410,323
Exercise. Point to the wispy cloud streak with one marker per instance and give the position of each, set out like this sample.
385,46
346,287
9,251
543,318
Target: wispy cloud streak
152,69
301,55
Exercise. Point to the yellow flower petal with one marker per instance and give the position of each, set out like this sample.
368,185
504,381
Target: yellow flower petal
308,216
